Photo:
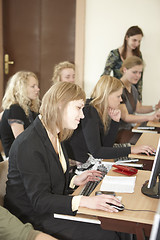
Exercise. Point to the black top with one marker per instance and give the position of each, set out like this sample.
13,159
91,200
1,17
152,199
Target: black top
90,137
37,187
15,112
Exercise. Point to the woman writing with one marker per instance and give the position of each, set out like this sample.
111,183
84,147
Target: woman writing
132,69
20,105
39,179
130,47
97,132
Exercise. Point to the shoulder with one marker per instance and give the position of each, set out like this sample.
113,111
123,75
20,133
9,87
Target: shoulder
89,110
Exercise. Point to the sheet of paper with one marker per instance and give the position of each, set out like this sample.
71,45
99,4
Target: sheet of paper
118,184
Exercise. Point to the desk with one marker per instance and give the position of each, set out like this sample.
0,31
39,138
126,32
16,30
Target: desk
153,124
138,223
146,139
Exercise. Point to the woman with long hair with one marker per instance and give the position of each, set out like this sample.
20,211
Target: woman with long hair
97,132
20,105
39,181
130,47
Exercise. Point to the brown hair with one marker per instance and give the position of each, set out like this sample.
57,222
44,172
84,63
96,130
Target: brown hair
131,62
53,104
132,31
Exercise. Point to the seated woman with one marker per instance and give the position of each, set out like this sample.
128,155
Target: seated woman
20,105
97,132
39,181
64,72
131,69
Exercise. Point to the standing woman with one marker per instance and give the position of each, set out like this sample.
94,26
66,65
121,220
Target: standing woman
97,132
131,70
64,72
20,105
39,179
130,47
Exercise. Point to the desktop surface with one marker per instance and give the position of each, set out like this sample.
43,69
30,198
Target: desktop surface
135,201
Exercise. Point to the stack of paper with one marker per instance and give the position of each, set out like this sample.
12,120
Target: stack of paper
118,184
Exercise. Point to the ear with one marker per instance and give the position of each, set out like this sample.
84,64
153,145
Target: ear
124,69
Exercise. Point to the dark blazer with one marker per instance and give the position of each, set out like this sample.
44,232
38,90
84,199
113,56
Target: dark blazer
90,137
37,186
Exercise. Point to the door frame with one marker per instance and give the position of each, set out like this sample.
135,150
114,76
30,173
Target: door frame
79,44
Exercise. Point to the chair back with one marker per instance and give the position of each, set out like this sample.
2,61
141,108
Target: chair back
3,179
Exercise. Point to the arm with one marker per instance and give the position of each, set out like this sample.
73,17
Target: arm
109,64
94,133
17,128
131,118
143,109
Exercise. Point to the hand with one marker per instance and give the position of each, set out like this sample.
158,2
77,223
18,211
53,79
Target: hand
115,114
155,116
158,105
143,149
100,202
86,176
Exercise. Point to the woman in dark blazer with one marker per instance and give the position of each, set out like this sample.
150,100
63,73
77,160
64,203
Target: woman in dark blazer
39,181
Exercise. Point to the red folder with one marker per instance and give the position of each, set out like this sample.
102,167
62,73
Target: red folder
129,171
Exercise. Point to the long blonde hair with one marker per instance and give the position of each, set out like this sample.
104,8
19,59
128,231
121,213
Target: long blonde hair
104,87
58,68
16,93
53,104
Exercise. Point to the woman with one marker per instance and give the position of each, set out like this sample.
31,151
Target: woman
39,180
64,72
97,132
20,105
132,69
130,47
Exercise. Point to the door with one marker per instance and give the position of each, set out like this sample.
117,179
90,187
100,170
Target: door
37,34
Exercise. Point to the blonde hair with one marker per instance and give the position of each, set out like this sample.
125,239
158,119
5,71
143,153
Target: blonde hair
16,93
58,68
104,87
53,104
132,62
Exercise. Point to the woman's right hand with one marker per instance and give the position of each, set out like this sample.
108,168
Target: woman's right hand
99,202
143,149
155,116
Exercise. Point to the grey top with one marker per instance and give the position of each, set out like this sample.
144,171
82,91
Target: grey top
131,107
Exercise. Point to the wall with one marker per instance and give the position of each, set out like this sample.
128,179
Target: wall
106,25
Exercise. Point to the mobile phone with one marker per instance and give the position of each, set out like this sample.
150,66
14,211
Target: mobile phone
105,192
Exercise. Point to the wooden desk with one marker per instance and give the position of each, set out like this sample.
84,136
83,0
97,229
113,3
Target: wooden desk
146,139
136,222
153,124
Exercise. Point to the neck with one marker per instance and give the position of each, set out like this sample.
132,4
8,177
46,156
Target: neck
126,83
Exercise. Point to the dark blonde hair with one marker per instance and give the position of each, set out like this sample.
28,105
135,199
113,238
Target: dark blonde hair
132,62
104,87
132,31
58,68
53,104
16,92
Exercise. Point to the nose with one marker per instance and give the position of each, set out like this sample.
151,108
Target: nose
37,89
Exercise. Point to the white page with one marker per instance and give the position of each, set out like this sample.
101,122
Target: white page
118,184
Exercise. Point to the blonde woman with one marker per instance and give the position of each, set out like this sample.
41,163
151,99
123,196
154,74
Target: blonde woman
131,70
97,132
20,105
39,179
64,72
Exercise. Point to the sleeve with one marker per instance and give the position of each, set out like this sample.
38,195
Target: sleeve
110,63
16,113
12,228
92,135
40,186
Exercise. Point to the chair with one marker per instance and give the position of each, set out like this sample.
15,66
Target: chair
3,179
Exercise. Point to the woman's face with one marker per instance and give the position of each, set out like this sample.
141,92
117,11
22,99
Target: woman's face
133,74
114,99
72,114
67,75
32,88
134,41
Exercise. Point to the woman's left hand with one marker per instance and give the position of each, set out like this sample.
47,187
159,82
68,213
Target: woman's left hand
115,114
89,175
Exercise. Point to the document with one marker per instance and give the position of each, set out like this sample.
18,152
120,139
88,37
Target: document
118,184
